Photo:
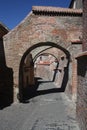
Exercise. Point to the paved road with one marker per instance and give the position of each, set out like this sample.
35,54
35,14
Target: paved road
53,111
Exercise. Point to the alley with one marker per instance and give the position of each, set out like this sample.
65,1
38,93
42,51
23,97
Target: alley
50,111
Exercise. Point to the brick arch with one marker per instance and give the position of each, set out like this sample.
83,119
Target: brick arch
56,45
29,51
35,58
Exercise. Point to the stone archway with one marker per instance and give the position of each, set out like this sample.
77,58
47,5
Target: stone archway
42,46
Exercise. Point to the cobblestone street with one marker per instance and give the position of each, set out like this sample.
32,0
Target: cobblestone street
53,111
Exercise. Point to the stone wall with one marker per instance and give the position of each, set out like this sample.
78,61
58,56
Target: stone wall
71,89
35,29
82,75
84,25
76,4
82,91
79,4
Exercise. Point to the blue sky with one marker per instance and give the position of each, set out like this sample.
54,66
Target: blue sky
12,12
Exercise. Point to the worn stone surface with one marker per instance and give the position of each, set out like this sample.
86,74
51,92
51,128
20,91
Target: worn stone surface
48,111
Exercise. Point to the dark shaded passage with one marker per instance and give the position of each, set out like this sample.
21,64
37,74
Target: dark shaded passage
6,80
29,91
33,91
6,87
36,90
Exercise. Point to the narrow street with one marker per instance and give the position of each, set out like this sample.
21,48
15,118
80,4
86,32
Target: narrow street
50,111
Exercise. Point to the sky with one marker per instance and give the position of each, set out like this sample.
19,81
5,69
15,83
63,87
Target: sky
12,12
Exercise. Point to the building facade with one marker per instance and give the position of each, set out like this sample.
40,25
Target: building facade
82,75
57,40
44,28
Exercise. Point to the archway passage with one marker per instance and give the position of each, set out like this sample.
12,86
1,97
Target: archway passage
45,66
47,61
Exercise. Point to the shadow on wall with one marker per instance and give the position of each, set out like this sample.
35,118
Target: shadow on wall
65,78
32,91
81,105
29,91
82,66
6,80
6,87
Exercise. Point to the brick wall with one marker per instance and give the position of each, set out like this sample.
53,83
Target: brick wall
35,29
84,25
82,76
71,89
82,92
79,4
74,80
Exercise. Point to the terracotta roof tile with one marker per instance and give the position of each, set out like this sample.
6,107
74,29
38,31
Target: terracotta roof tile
49,9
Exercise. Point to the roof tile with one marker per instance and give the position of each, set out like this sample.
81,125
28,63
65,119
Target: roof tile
56,10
